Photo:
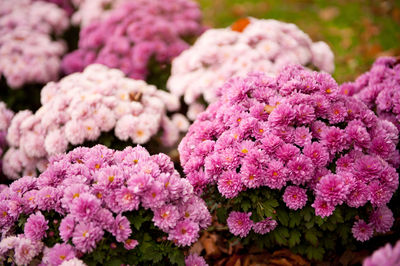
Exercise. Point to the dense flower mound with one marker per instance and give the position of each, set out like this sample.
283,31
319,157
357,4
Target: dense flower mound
248,45
5,119
134,34
98,195
379,89
27,52
386,255
81,107
297,134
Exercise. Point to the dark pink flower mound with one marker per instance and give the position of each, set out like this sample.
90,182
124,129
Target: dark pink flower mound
136,32
386,255
297,134
101,197
379,89
6,116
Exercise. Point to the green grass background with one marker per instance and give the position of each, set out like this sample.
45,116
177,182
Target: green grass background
357,31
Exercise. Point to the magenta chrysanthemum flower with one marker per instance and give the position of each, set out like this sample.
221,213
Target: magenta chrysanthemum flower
265,226
86,236
121,228
295,197
184,233
322,208
130,244
239,223
166,217
230,184
362,231
58,254
66,228
36,226
332,188
195,260
381,219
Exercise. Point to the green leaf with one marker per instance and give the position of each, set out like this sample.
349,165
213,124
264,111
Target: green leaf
315,253
294,238
115,262
245,205
295,219
222,214
311,237
177,257
99,257
283,217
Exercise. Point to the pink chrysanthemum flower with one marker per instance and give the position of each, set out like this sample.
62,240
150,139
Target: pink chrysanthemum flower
362,231
381,219
195,260
121,228
239,223
265,226
85,236
58,254
184,233
36,226
295,197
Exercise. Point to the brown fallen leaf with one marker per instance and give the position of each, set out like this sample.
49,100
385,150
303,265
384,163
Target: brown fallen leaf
209,242
279,262
234,261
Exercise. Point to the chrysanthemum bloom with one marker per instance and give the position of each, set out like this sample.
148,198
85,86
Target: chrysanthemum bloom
136,36
382,219
265,226
80,108
28,53
239,223
256,45
36,226
362,231
58,254
279,132
386,255
379,88
73,262
295,197
94,191
195,260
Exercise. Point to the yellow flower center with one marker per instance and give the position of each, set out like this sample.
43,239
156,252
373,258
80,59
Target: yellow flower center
76,195
245,151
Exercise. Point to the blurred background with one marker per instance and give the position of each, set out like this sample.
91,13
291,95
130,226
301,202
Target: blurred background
357,31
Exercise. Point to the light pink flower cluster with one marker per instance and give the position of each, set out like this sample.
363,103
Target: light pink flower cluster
134,34
5,119
27,52
93,190
297,133
248,45
79,108
379,89
89,11
386,255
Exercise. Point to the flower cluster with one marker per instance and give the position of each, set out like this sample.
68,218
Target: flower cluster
195,260
379,89
135,33
248,45
79,108
240,224
296,133
27,52
94,191
5,120
386,255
